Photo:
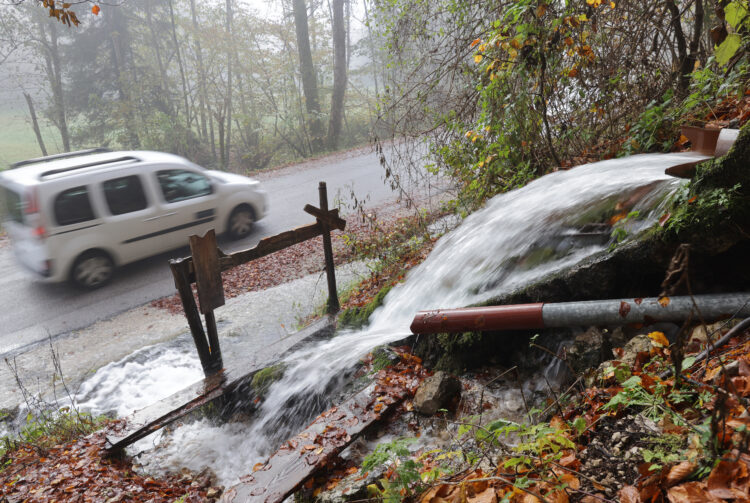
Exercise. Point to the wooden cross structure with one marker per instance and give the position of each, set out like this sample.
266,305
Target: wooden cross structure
207,261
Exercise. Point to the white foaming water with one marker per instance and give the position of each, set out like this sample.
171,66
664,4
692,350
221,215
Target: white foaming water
484,257
140,379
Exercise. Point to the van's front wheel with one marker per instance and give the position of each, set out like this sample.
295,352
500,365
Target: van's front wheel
241,222
92,270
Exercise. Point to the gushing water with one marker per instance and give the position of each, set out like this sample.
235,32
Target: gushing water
518,237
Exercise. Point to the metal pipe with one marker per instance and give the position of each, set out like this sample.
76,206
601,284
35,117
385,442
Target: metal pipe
593,312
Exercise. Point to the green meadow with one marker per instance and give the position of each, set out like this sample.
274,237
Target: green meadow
17,139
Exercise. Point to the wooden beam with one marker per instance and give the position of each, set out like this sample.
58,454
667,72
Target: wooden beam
330,217
303,455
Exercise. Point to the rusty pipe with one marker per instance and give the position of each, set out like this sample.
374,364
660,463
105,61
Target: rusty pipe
705,143
584,313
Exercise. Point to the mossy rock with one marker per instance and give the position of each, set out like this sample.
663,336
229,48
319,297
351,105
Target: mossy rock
713,214
264,378
356,317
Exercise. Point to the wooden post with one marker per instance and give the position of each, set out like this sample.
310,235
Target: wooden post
207,269
182,283
333,298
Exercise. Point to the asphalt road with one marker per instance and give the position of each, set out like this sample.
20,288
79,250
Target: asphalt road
31,310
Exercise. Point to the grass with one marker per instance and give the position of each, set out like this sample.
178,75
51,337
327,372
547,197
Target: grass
17,139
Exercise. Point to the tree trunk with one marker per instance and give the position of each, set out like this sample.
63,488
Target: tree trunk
162,70
687,59
35,123
228,112
53,69
339,74
202,99
373,52
118,34
309,82
188,120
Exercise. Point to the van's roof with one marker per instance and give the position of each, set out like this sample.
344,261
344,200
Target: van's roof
36,172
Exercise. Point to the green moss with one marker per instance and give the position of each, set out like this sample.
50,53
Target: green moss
263,379
713,212
357,316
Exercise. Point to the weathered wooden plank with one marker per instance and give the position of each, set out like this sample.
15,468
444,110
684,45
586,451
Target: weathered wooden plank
164,412
181,281
205,254
301,456
270,245
330,217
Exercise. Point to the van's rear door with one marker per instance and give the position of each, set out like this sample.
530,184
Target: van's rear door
25,227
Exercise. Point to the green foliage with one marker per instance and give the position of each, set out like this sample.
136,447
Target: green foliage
619,230
406,480
52,428
708,210
664,449
736,15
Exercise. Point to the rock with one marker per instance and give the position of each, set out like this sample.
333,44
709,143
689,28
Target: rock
636,345
436,392
213,492
700,333
351,488
587,350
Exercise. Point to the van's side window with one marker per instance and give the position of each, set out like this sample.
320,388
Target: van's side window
73,206
179,184
124,195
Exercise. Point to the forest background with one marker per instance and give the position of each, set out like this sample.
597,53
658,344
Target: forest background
490,94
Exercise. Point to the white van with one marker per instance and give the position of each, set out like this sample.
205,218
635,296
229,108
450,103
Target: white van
79,215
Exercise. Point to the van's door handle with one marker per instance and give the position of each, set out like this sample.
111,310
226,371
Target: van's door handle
160,216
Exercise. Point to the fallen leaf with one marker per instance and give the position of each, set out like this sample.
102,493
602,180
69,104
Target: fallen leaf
679,472
486,496
629,494
624,309
658,339
691,492
664,301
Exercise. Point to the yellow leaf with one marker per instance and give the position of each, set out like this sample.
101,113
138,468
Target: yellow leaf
477,58
612,5
658,339
664,301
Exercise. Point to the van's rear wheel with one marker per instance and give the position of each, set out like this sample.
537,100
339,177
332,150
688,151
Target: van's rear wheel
241,222
92,270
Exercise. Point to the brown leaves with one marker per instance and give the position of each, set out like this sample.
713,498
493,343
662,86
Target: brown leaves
80,471
729,480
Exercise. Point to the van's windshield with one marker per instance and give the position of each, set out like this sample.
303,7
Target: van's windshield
13,205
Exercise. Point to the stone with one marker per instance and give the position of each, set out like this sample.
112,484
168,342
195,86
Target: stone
436,392
636,345
701,332
587,350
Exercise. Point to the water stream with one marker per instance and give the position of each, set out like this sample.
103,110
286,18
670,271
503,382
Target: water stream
517,238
